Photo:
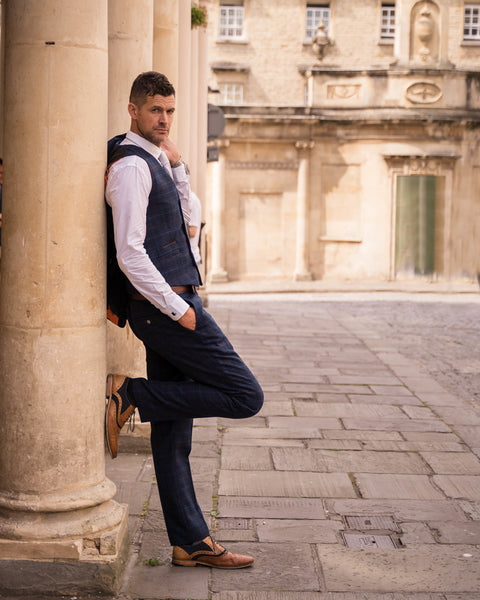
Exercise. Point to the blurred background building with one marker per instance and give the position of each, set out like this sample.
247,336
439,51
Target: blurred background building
351,142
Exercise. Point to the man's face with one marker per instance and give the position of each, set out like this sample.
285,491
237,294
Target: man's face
153,119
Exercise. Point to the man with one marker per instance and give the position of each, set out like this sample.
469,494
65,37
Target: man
192,369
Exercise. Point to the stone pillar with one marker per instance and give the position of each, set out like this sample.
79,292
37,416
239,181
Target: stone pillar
193,110
184,88
130,49
165,39
202,108
130,45
302,272
217,272
60,530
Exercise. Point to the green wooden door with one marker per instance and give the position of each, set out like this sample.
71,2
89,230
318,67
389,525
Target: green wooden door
415,225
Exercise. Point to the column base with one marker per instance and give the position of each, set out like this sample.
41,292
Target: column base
93,564
303,276
219,276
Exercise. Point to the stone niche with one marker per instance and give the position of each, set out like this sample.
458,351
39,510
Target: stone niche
425,33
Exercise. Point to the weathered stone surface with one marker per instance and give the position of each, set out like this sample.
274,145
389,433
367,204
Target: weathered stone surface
396,486
409,570
459,415
360,411
166,580
356,434
397,424
416,534
286,483
457,532
459,486
384,399
287,459
252,458
394,446
285,566
271,508
292,530
296,423
453,463
402,510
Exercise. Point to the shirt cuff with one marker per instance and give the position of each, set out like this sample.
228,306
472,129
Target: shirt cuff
177,307
180,173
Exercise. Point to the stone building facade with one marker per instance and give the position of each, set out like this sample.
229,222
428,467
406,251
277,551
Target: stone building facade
351,142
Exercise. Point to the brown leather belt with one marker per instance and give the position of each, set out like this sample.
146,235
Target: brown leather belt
178,289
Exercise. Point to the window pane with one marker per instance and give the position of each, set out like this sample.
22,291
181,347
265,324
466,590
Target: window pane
231,21
231,93
388,21
314,13
471,31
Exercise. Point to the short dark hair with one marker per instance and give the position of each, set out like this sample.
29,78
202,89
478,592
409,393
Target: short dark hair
150,83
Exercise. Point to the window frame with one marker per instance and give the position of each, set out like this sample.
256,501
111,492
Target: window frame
233,89
227,31
387,24
469,37
324,12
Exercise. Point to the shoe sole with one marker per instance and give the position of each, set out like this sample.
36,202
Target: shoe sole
108,395
198,563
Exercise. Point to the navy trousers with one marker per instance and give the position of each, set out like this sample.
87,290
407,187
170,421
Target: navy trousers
191,374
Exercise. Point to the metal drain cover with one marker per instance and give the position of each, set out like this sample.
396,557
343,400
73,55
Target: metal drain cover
365,540
362,523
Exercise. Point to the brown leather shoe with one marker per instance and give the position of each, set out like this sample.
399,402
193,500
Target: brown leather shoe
118,411
210,554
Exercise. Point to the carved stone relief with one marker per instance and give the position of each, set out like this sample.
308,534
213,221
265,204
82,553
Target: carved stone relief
425,33
423,92
343,92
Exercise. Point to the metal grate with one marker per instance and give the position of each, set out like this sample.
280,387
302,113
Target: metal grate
365,540
361,523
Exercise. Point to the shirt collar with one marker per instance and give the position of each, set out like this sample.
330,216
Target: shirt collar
138,140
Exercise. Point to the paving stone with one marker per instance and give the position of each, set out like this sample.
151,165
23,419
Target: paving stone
164,581
453,463
438,399
325,461
285,483
422,384
134,494
401,510
419,412
280,408
416,534
268,443
459,486
284,434
381,445
457,532
271,508
326,398
291,530
360,411
389,390
397,424
430,436
472,509
364,379
328,388
470,435
286,566
408,570
384,399
458,415
396,486
297,423
335,444
249,458
355,434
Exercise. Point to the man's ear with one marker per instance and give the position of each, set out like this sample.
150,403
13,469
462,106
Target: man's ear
132,110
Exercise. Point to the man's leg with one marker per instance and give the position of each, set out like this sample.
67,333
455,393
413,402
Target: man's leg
171,444
218,383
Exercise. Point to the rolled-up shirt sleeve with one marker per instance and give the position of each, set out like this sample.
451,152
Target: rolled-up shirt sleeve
128,187
182,182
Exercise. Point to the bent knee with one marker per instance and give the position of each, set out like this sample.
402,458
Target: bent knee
253,401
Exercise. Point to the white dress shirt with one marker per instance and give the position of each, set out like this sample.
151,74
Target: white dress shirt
129,184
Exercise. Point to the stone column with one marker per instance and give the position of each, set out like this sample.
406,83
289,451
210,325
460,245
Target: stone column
217,272
184,88
202,108
130,49
193,110
130,46
60,530
302,272
165,39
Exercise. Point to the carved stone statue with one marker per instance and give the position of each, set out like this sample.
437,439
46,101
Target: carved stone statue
424,32
320,41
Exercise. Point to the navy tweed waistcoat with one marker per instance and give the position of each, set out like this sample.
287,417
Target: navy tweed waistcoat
166,241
